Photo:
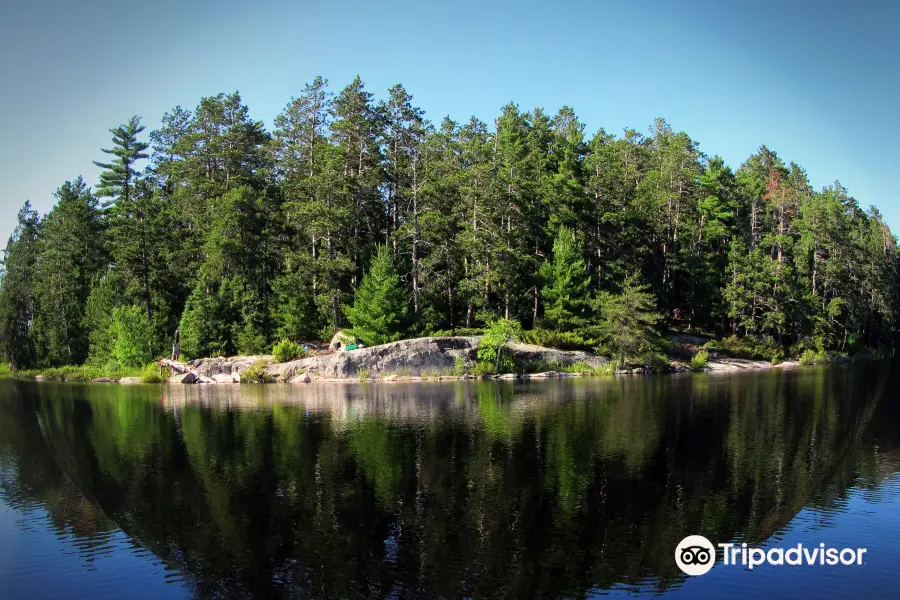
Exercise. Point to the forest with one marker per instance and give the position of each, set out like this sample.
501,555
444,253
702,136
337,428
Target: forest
356,210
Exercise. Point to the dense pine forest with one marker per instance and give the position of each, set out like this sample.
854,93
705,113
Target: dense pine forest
353,210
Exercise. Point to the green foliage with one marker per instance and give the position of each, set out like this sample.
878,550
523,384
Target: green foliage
564,340
700,361
627,320
459,368
243,238
566,280
751,348
256,373
133,336
379,308
482,368
430,374
286,350
364,374
494,346
153,373
814,357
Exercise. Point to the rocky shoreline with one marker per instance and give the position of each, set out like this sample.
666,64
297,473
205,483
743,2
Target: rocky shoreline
437,358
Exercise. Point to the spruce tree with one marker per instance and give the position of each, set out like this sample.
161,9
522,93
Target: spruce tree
566,283
379,310
18,304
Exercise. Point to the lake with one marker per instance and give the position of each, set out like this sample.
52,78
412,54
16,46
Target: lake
489,489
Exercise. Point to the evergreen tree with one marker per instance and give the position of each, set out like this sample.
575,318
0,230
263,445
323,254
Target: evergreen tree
566,282
379,310
18,304
71,252
118,175
628,319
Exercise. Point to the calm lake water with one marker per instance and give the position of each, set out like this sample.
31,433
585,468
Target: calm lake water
568,488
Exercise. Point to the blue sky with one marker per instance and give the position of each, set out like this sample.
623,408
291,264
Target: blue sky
815,81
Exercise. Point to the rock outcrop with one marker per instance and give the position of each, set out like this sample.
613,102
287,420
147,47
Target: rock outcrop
406,357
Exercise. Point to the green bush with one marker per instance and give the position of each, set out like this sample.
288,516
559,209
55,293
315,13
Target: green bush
564,340
132,335
430,374
494,345
747,347
256,373
813,357
459,331
483,368
286,350
363,374
459,369
152,373
700,361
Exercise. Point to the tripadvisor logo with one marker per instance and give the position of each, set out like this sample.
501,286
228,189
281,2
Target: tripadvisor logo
696,555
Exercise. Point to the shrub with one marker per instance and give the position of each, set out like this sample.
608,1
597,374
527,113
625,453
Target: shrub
459,369
700,361
133,336
483,368
459,331
364,374
256,373
747,347
430,374
813,357
494,346
152,373
564,340
286,350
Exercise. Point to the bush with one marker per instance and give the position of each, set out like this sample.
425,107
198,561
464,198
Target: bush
363,374
152,373
494,346
700,361
430,374
286,350
813,357
133,336
747,347
564,340
459,331
459,369
483,368
256,373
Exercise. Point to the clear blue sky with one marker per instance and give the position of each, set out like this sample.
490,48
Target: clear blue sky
817,82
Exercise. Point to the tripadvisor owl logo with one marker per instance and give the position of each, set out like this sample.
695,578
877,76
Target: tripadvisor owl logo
695,555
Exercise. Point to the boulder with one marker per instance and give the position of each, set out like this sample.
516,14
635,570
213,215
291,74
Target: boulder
223,378
183,378
300,379
130,380
101,380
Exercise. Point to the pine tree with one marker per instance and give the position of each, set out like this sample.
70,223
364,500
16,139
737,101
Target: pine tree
18,304
71,253
379,310
627,320
118,175
566,282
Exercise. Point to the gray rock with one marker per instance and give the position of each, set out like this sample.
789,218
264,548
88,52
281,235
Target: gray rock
101,380
130,380
183,378
223,378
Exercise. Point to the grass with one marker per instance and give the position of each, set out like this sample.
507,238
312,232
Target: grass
363,374
814,357
430,374
397,373
79,373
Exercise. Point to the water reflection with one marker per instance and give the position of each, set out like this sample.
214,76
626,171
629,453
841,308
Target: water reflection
482,489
